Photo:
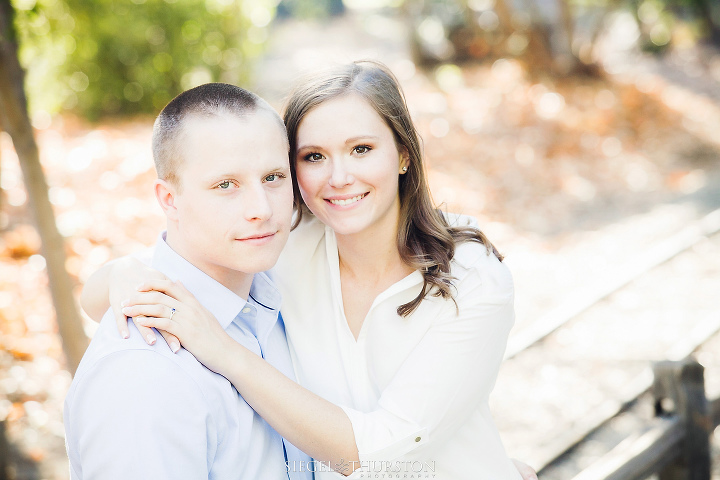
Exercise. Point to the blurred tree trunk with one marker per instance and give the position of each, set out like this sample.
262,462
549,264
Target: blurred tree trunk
4,453
539,53
504,16
521,29
705,14
1,190
556,58
15,120
567,24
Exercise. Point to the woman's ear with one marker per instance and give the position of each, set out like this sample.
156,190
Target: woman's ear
165,192
404,159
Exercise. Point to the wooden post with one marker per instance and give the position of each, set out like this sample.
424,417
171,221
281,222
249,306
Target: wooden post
679,389
15,120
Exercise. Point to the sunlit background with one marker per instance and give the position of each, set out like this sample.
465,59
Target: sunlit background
583,135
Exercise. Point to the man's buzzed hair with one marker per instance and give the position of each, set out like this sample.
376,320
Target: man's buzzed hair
208,100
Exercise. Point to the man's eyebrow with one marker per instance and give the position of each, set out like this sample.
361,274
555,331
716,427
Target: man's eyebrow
220,176
236,174
280,168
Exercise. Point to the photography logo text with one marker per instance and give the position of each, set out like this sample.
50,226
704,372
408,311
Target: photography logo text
375,469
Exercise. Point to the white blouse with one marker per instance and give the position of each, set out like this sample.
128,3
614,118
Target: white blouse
415,388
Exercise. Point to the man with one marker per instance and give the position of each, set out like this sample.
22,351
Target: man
136,411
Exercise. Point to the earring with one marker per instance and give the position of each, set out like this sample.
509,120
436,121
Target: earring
404,169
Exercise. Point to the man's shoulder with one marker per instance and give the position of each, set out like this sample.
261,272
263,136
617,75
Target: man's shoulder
135,364
131,367
134,398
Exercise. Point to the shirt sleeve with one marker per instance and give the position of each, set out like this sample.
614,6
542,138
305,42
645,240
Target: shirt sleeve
138,415
448,375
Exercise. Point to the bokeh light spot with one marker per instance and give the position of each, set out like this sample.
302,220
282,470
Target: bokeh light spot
79,81
449,77
133,92
439,127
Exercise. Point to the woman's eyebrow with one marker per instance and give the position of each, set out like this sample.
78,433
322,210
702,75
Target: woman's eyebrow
347,142
308,147
361,137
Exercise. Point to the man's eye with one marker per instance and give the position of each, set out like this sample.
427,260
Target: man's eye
273,177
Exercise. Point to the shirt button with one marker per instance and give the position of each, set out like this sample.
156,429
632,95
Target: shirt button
417,439
246,310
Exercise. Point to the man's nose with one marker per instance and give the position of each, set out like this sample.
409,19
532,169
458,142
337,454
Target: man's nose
257,204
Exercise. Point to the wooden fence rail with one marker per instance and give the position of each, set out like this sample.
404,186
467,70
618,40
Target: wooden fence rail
677,445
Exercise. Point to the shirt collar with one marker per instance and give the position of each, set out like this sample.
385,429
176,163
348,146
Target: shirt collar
260,314
264,291
224,304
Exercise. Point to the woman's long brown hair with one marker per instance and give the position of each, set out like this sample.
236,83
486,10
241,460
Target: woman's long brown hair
426,241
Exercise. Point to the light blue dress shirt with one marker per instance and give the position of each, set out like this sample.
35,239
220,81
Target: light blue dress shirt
136,411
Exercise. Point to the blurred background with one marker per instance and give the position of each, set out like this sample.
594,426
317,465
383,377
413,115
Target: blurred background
583,134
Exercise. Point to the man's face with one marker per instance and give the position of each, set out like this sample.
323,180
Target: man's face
233,208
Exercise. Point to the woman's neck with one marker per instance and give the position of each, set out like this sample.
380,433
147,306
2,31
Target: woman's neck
373,253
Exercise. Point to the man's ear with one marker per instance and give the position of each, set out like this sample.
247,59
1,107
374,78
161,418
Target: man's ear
165,192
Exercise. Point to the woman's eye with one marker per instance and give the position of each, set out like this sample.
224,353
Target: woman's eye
361,149
313,157
224,185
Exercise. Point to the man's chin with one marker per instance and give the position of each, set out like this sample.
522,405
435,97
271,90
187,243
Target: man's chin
257,265
256,268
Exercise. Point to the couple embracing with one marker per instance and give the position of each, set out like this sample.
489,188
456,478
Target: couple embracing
320,316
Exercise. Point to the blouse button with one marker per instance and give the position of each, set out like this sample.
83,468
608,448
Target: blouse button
417,439
246,310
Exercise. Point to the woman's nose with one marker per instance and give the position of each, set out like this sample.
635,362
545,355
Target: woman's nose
340,176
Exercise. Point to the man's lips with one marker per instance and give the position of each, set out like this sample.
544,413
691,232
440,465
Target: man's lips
259,236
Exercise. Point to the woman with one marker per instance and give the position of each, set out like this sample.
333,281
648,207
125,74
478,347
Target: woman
392,314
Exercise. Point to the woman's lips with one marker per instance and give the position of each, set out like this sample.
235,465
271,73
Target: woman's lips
343,201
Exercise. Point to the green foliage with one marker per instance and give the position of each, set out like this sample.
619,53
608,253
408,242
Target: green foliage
121,57
668,23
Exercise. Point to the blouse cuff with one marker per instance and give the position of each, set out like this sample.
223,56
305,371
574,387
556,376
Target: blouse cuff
383,436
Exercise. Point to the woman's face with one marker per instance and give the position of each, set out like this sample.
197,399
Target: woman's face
348,166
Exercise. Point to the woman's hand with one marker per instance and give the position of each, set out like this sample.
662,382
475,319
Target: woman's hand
124,276
170,307
314,425
526,471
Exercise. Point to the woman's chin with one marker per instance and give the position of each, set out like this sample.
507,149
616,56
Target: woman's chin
345,223
344,228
